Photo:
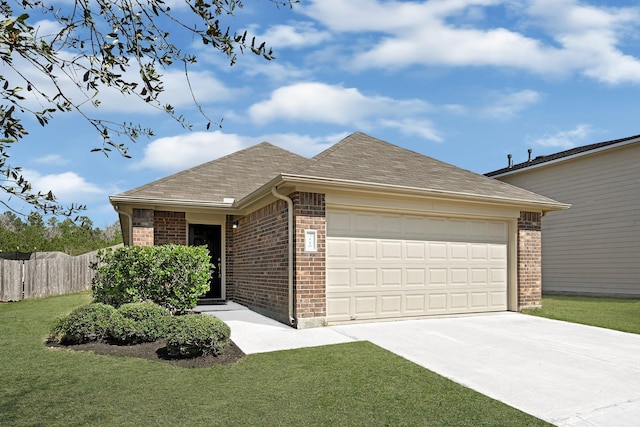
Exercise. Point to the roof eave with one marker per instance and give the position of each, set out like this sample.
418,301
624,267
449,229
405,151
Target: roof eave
137,200
396,189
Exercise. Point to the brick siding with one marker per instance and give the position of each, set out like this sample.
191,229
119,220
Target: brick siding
158,227
310,267
142,227
169,227
260,247
529,259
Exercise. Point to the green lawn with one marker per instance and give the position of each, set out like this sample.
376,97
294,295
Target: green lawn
348,384
622,314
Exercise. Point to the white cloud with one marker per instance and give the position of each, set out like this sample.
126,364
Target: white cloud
584,39
319,102
296,35
68,187
52,160
564,139
510,104
175,153
413,127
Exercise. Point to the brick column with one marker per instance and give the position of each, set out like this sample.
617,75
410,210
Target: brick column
142,227
309,267
529,260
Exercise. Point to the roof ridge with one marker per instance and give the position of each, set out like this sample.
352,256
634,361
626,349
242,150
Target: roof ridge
560,155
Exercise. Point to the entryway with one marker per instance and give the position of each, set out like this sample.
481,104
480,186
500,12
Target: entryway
211,237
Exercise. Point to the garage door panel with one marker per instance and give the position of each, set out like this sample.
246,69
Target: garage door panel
365,249
437,303
437,251
339,249
416,251
459,277
390,277
479,299
387,265
340,278
365,278
416,277
458,252
438,276
364,305
479,276
498,299
458,300
391,305
414,304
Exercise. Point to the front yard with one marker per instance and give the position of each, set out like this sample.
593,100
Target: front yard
622,314
348,384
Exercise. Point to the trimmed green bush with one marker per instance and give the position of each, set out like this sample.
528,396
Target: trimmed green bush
87,323
139,322
195,335
172,276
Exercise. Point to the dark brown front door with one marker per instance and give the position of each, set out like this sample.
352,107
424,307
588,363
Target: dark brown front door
211,237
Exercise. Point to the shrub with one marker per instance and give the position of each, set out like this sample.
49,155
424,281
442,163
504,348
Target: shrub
87,323
172,276
139,322
194,335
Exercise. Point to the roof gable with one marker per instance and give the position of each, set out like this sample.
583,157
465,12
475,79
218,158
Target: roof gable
566,155
233,176
362,158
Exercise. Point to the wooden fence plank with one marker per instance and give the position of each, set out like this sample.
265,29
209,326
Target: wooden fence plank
46,276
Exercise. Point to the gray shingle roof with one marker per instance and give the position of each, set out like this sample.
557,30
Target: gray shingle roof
232,176
358,158
563,154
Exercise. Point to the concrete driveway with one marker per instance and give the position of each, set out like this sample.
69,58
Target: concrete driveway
564,373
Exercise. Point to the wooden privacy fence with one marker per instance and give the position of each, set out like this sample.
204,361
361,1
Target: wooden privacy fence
43,275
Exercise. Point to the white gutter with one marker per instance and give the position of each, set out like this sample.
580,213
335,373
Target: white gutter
274,190
115,207
169,202
398,189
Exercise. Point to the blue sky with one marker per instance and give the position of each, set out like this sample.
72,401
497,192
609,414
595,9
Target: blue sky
463,81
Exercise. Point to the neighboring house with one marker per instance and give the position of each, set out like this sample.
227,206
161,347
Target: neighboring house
364,230
594,247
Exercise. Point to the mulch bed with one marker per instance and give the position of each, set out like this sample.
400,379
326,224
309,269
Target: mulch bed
157,351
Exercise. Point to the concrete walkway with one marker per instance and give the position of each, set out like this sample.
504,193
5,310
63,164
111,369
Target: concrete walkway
564,373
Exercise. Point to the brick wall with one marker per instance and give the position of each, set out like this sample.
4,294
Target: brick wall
169,227
529,259
310,272
260,257
142,227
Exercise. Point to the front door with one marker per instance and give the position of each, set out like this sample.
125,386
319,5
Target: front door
211,237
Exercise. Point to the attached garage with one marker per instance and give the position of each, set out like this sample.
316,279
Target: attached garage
384,265
364,230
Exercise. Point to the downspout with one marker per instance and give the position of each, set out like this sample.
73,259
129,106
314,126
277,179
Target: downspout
274,190
128,215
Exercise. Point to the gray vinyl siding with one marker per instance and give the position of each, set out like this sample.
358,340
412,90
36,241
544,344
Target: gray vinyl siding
594,247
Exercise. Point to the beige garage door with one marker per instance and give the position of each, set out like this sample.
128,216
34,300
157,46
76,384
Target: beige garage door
385,266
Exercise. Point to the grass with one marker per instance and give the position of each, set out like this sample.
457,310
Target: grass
622,314
349,384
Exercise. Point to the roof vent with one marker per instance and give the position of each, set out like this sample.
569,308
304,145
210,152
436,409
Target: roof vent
509,161
529,151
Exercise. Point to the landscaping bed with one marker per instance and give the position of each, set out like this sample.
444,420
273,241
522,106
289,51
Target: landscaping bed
156,351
